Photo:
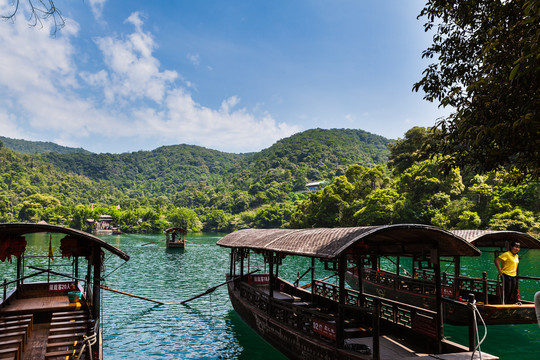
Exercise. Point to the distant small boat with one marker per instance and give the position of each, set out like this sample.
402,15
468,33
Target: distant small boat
175,238
51,308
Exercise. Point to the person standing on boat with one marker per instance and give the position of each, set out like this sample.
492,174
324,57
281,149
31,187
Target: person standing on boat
508,272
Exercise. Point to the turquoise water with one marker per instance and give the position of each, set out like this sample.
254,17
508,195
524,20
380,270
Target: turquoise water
208,327
205,328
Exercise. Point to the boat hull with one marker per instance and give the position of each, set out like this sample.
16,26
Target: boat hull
175,245
291,343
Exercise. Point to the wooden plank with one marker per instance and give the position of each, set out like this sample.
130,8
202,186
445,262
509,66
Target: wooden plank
75,343
66,330
71,323
37,341
278,295
63,353
22,322
16,317
12,353
64,337
40,304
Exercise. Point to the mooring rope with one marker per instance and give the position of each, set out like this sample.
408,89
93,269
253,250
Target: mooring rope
475,310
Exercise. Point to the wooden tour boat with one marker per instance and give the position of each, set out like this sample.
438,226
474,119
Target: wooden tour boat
325,319
175,238
48,309
416,284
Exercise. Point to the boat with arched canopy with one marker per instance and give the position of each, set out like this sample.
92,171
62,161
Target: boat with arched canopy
51,305
413,283
325,320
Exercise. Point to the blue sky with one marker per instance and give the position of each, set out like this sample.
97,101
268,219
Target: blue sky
234,76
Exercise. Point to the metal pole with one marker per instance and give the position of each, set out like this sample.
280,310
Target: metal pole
341,316
485,288
376,328
435,258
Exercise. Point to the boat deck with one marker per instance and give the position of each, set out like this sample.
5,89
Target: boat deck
42,327
39,304
392,348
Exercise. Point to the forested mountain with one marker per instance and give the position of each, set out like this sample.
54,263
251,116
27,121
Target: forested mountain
187,176
320,154
179,171
34,190
39,147
370,181
164,171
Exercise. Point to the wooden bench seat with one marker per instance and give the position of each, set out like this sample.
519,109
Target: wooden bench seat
10,353
75,344
12,336
21,322
16,317
68,323
15,330
67,330
4,344
69,313
63,354
65,337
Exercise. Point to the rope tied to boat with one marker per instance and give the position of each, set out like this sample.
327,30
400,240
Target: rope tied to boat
88,342
471,304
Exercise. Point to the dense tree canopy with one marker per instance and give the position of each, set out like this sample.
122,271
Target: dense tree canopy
488,70
206,190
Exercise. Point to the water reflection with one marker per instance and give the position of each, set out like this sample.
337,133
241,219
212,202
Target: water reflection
250,344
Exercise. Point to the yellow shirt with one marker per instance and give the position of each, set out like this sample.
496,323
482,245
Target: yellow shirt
509,263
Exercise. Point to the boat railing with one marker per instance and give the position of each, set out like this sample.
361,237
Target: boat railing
404,283
484,289
43,274
326,290
423,283
393,313
303,318
320,320
16,281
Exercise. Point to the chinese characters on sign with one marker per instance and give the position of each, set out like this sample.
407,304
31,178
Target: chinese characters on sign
325,329
259,279
60,287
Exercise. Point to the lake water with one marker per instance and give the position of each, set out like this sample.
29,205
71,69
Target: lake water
208,327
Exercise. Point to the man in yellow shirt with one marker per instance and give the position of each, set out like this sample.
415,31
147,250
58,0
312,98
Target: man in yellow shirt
508,273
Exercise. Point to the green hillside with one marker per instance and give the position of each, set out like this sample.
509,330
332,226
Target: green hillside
164,171
179,176
180,171
209,190
38,147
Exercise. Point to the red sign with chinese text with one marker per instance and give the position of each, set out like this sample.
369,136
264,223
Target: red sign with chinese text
61,287
325,329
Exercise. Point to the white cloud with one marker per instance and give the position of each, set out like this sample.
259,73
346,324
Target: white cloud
133,71
44,95
97,8
186,121
194,59
8,125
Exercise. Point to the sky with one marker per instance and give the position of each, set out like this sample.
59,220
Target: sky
234,76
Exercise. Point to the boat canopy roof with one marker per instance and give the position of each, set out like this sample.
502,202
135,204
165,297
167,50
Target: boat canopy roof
496,238
20,229
171,229
391,240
